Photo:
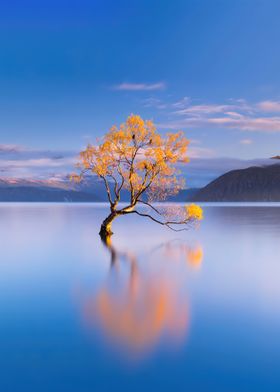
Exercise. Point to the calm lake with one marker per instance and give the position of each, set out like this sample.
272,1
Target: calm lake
160,311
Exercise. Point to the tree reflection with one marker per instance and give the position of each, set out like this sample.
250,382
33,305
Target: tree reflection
137,309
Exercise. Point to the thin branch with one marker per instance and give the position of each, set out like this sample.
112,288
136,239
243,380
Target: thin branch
122,181
108,190
131,171
148,185
115,185
168,223
150,205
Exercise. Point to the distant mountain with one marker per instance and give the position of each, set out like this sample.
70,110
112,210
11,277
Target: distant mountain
184,195
14,189
92,189
251,184
42,194
12,182
95,185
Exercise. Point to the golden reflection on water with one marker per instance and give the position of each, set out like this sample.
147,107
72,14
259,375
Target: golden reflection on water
136,307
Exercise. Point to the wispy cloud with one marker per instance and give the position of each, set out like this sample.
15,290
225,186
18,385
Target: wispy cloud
182,103
235,114
53,167
269,106
10,148
204,109
261,124
140,86
19,161
154,103
200,152
246,141
36,163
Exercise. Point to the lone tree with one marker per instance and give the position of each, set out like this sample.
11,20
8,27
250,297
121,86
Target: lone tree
137,158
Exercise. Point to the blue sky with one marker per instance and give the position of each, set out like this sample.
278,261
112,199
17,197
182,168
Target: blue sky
71,69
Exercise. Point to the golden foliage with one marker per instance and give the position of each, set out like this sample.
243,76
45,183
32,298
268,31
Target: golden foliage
194,212
138,158
134,156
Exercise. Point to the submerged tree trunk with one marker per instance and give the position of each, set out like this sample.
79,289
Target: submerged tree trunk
107,241
105,229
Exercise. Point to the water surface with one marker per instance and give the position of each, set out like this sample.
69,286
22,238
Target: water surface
196,310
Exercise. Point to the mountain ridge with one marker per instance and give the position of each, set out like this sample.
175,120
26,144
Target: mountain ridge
255,183
43,194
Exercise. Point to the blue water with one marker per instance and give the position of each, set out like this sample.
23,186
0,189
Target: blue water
159,311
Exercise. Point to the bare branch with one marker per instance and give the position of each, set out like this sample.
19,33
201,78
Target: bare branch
131,171
122,180
145,187
168,223
150,205
115,185
107,190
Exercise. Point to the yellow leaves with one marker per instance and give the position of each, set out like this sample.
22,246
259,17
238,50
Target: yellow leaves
194,212
145,165
156,140
138,155
135,121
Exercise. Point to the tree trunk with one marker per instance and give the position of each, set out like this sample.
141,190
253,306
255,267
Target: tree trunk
105,229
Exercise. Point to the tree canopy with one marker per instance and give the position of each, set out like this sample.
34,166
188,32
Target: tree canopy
135,157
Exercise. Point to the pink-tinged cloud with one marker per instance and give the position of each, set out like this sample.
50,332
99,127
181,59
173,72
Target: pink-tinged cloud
22,162
140,86
201,152
269,106
246,141
204,109
37,163
52,168
182,103
238,114
154,103
261,124
10,148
